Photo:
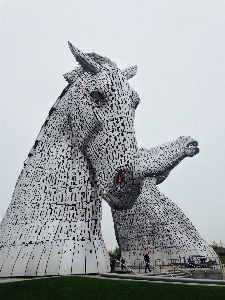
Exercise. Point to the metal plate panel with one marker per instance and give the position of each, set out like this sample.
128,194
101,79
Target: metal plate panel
54,258
10,261
34,259
22,261
78,263
67,258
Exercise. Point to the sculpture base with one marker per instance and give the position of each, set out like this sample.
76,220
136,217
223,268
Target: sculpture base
54,258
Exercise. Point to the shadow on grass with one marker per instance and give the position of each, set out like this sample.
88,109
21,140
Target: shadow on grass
75,287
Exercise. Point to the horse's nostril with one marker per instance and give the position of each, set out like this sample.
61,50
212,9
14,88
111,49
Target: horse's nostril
193,144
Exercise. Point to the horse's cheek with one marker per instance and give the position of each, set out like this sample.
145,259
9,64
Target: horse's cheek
99,115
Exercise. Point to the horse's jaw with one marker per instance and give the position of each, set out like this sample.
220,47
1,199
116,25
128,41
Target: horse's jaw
121,203
123,195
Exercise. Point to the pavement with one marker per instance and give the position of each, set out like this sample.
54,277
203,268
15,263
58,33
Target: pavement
150,276
161,279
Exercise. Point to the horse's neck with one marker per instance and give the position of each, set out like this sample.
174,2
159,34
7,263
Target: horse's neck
162,159
56,174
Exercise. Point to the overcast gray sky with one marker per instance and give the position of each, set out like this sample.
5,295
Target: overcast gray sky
179,47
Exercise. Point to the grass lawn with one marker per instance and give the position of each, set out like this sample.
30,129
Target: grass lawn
74,287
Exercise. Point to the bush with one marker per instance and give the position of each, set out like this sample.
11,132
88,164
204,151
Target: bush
222,259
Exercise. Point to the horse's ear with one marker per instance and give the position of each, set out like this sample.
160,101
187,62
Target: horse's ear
86,62
130,72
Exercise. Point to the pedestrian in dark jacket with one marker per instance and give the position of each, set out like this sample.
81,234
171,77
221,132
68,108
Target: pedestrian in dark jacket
112,265
123,263
147,262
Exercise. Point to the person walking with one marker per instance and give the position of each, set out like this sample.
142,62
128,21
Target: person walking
147,262
123,263
112,264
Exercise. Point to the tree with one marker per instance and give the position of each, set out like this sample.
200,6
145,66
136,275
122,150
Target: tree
115,253
215,246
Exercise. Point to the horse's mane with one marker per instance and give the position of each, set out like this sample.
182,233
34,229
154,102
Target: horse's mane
77,72
101,59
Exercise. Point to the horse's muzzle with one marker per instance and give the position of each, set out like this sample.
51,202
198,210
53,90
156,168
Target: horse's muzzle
124,189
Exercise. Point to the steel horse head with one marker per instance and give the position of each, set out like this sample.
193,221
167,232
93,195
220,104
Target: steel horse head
102,106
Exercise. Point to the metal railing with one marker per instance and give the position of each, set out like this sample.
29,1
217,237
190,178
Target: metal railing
160,265
126,267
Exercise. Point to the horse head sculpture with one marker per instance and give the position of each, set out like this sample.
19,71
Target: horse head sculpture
86,150
155,223
104,127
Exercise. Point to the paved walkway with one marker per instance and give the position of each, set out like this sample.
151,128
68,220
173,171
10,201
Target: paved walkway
166,269
14,279
140,277
161,279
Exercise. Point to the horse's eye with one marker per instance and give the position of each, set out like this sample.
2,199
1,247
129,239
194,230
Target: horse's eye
97,96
